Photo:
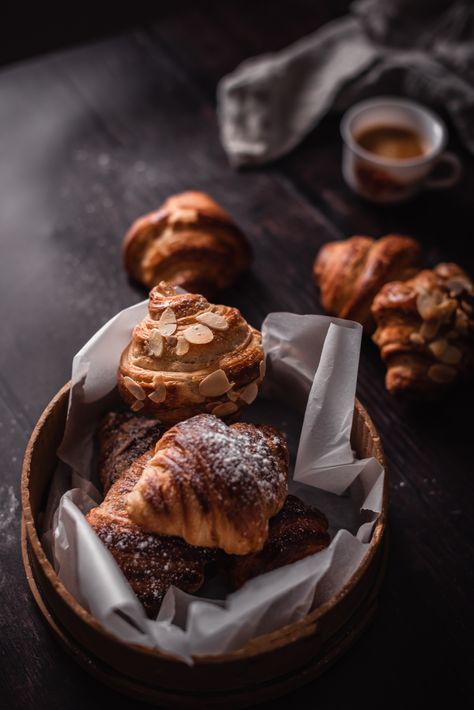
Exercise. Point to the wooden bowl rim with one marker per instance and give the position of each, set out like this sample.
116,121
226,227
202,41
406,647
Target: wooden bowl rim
259,645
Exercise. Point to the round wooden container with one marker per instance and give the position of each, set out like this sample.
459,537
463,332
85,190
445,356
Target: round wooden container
266,667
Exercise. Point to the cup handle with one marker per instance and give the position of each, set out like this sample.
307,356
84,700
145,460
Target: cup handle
454,166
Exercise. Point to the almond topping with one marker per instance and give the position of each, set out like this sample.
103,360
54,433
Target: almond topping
213,320
451,355
222,410
233,395
214,384
183,214
136,406
198,334
427,303
263,368
429,329
134,388
155,343
417,338
458,284
462,321
438,347
159,395
182,346
442,374
249,393
167,322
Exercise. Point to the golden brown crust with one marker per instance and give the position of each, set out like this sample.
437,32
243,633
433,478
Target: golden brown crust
425,331
297,531
349,273
213,485
150,563
122,437
189,356
190,242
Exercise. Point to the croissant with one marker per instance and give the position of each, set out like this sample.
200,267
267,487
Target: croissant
425,330
212,484
188,356
150,563
190,242
349,273
122,437
297,531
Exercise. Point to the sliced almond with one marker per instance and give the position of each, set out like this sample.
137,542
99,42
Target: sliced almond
214,384
198,334
263,368
167,323
462,321
213,320
134,388
429,329
458,284
159,393
222,410
183,214
417,338
155,343
442,374
451,355
427,303
249,393
233,395
438,347
182,346
137,405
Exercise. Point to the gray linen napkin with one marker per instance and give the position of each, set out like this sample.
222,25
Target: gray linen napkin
423,49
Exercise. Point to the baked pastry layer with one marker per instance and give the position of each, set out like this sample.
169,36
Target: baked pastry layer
123,437
189,356
190,242
151,563
297,531
350,272
213,485
425,331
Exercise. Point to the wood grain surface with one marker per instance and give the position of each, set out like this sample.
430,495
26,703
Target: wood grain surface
94,136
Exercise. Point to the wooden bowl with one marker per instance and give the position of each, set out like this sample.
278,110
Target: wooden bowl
266,667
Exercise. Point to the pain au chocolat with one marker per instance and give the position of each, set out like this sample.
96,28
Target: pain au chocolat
190,242
213,485
188,356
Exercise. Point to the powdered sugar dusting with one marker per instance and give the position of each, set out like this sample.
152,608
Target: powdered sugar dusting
246,460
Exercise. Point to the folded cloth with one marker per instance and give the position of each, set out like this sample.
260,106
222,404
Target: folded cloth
422,49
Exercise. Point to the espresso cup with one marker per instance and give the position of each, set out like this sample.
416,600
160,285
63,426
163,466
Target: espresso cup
393,179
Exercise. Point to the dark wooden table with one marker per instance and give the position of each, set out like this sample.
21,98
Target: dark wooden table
94,136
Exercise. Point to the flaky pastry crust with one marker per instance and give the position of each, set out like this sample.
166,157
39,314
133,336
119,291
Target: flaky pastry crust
213,485
425,331
190,242
188,356
349,273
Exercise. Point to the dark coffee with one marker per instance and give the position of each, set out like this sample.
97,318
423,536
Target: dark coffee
393,142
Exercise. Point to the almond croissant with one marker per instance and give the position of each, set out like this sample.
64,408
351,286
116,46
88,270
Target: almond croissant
190,242
425,330
188,356
150,563
213,485
349,273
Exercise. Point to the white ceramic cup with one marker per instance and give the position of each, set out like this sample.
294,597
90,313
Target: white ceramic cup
390,179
